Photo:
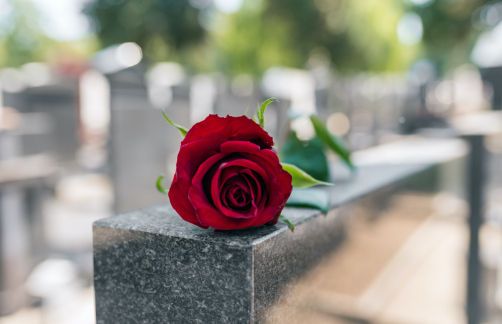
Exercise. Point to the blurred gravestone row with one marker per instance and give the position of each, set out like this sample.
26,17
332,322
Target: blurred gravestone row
97,140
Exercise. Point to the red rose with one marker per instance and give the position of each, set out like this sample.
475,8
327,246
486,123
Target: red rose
227,176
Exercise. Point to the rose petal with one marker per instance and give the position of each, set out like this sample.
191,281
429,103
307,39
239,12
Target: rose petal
260,200
253,183
284,180
234,196
198,193
233,128
229,172
210,216
238,181
223,175
267,159
192,155
204,168
265,156
223,206
273,208
178,196
189,159
239,162
228,168
277,199
239,146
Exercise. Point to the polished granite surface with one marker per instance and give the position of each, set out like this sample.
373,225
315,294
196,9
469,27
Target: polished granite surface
152,267
162,219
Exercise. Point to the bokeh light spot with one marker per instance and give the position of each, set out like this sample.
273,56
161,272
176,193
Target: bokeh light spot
129,54
410,29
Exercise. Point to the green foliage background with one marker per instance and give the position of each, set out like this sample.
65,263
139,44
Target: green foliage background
355,35
22,39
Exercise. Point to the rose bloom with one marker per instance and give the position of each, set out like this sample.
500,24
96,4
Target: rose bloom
227,176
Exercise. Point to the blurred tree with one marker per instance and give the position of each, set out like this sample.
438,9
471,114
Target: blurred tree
449,32
162,28
20,38
352,34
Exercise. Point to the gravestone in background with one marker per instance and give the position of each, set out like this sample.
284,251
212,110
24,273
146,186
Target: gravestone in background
49,119
141,141
47,132
277,121
228,103
493,76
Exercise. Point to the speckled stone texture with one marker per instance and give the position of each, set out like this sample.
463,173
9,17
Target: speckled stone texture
152,267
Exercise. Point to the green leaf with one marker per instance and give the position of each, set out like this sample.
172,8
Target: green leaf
307,155
182,129
335,143
160,188
310,198
302,179
287,221
260,111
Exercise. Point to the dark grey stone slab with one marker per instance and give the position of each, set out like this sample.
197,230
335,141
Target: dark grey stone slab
152,267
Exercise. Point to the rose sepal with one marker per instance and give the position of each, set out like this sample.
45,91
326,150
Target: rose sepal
260,118
287,221
183,131
302,179
160,187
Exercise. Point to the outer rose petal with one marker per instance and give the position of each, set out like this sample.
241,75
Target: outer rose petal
178,196
233,128
190,158
284,180
277,199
